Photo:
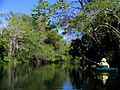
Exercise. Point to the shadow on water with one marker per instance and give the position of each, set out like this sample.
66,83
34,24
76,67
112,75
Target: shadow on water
54,77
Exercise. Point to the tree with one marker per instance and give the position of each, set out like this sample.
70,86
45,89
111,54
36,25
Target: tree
96,20
75,15
18,24
27,41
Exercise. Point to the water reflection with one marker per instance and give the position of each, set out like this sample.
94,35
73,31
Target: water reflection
94,80
54,77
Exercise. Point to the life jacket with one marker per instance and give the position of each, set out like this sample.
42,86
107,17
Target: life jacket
104,64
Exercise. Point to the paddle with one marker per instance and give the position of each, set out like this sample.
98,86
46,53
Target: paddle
92,62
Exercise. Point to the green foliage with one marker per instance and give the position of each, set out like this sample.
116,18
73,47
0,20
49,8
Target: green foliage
24,40
78,15
3,47
35,37
98,22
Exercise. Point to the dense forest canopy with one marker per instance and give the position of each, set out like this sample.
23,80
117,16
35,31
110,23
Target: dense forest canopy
21,40
96,22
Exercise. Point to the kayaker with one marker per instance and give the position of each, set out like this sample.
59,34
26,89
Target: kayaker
103,63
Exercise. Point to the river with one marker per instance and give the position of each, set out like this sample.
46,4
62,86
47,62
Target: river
54,77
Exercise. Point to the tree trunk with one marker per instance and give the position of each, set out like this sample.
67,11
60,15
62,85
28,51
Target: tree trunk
10,48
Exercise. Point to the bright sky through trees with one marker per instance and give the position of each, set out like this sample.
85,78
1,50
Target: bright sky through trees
21,6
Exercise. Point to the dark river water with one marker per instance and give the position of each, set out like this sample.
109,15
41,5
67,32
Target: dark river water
55,77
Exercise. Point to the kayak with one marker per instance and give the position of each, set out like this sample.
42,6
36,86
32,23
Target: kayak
105,69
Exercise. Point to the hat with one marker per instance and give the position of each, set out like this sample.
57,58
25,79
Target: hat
103,59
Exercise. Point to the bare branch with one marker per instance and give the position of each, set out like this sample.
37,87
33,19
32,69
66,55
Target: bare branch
81,3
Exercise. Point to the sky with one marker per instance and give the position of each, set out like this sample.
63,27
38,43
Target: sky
22,6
